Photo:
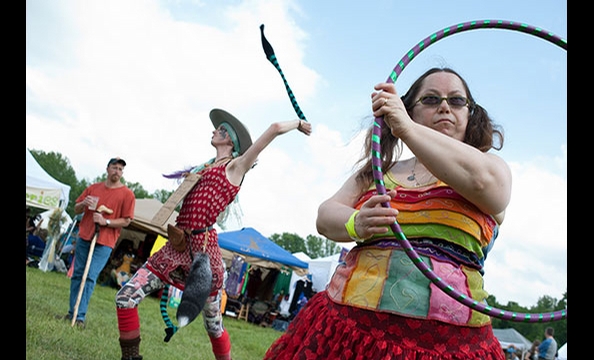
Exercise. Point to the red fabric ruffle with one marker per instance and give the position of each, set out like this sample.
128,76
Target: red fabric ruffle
329,331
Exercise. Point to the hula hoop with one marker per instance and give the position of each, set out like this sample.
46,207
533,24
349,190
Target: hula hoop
381,189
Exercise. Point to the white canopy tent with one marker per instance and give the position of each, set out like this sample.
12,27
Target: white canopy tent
42,190
321,270
511,336
562,352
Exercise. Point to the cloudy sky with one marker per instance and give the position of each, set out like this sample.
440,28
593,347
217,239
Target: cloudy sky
137,79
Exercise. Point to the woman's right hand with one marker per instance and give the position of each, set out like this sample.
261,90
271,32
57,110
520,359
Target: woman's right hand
373,218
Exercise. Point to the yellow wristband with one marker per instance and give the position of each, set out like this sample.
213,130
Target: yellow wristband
350,228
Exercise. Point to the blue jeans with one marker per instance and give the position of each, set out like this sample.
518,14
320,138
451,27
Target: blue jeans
101,254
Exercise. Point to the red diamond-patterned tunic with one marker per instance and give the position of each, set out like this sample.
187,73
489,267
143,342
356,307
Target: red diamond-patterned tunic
199,210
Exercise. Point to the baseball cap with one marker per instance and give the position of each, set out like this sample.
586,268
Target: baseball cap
116,160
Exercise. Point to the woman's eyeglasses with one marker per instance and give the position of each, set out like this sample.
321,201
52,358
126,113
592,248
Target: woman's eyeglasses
434,100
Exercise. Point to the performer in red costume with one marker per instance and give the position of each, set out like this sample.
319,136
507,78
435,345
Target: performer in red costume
220,181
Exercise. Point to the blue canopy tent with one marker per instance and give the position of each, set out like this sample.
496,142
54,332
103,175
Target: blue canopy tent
258,250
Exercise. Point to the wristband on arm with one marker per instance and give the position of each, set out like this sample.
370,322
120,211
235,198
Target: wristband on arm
350,228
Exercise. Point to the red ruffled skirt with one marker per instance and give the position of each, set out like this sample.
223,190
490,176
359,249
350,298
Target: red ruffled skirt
326,330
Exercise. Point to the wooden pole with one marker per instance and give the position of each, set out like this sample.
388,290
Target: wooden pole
85,273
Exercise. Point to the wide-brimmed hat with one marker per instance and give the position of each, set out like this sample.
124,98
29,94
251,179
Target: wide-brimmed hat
218,116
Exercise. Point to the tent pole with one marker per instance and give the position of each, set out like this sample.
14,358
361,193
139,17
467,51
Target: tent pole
61,245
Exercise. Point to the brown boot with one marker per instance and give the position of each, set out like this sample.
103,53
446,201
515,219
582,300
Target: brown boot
130,348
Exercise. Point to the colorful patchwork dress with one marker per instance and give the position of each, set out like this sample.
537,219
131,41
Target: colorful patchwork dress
379,305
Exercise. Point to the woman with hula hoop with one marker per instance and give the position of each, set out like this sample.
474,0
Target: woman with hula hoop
449,199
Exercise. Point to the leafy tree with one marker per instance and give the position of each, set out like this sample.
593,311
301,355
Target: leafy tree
75,190
561,326
318,247
534,330
291,242
315,246
162,195
138,190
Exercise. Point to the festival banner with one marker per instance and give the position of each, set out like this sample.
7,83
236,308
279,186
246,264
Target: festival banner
43,198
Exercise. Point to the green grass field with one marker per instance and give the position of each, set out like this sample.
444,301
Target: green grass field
51,339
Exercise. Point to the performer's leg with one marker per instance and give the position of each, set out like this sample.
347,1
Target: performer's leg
213,322
127,300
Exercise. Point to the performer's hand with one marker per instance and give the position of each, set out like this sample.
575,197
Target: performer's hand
304,127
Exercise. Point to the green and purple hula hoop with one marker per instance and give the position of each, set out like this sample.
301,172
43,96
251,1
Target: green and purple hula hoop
381,189
377,164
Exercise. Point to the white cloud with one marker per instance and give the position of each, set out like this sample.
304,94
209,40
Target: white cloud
529,258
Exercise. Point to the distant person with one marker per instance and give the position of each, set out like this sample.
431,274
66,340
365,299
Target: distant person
30,224
118,198
547,349
511,353
67,253
284,306
532,353
122,263
30,229
36,245
220,182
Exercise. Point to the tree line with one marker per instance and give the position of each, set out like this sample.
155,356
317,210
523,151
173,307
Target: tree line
59,167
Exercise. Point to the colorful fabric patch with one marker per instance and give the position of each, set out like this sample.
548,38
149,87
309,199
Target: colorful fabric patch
407,289
366,284
386,280
444,307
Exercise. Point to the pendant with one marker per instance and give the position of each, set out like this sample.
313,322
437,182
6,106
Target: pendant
411,178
